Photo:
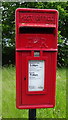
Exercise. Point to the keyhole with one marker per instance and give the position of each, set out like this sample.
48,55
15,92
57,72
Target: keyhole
24,78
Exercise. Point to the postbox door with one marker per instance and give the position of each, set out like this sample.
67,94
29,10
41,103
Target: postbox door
37,96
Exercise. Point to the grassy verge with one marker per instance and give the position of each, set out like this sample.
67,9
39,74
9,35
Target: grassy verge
9,109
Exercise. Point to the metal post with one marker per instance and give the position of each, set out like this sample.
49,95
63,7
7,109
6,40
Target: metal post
32,114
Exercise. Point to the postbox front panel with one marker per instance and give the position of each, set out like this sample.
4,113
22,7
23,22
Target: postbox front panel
36,56
38,41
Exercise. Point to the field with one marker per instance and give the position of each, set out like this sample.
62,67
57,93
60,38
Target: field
8,97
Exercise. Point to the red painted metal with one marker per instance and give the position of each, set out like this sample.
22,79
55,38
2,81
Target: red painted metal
36,30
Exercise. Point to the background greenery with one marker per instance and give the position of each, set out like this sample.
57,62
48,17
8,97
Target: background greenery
8,28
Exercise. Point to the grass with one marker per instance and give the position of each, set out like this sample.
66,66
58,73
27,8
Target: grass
9,109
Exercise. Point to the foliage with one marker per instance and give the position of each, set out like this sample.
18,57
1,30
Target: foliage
8,56
8,24
62,51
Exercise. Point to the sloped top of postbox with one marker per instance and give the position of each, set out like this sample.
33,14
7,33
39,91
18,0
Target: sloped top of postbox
35,10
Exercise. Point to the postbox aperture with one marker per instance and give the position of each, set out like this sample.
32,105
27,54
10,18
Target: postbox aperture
36,57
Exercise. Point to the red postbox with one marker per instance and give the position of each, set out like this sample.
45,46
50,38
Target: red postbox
36,57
